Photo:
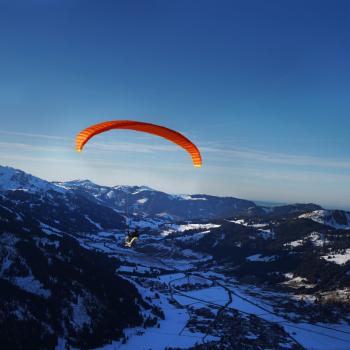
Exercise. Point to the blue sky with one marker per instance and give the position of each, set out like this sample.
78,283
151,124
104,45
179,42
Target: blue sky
261,86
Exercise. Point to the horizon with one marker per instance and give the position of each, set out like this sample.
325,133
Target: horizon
260,88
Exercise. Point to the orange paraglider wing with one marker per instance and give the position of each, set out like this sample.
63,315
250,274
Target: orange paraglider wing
84,136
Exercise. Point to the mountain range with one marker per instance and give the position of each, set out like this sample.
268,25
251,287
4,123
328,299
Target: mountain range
144,201
65,277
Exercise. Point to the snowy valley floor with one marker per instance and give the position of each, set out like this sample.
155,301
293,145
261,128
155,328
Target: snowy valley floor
182,292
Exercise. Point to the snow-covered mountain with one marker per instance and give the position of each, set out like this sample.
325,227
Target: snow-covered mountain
338,219
145,200
14,179
52,207
285,210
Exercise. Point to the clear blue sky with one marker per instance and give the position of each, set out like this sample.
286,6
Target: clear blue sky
263,88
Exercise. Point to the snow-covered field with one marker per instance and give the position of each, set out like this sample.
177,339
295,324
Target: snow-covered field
247,299
170,333
311,336
171,228
339,259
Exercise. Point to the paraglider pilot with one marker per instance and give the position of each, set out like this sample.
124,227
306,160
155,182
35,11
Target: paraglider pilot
131,238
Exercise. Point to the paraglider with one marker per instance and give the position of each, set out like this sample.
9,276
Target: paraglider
85,135
131,238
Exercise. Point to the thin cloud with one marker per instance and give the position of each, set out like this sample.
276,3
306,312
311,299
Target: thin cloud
50,137
277,158
95,146
31,147
210,152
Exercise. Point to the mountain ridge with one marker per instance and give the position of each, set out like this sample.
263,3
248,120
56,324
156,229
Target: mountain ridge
144,201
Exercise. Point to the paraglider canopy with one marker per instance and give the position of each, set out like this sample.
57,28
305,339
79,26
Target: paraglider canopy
85,135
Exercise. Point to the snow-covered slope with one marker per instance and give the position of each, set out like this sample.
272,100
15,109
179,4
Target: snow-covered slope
14,179
337,219
145,200
55,208
51,287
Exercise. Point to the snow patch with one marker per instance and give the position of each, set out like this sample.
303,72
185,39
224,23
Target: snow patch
339,259
31,285
182,228
142,200
190,198
260,258
97,225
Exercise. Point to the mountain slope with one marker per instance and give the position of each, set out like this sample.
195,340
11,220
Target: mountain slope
337,219
14,179
51,287
145,201
52,207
